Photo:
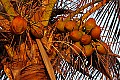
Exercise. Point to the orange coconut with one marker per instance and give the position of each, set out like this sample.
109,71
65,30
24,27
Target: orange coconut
88,50
37,32
85,39
71,25
18,25
89,24
77,47
102,47
95,32
60,25
76,35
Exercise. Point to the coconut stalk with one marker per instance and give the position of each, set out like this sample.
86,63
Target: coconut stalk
78,10
101,3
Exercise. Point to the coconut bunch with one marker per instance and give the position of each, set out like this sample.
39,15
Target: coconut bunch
70,41
85,39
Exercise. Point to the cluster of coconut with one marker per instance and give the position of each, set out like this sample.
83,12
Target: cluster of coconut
86,39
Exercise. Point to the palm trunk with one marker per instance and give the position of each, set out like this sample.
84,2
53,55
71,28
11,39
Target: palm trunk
28,65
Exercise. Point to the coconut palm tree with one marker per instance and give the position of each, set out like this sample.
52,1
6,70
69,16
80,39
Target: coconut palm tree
35,43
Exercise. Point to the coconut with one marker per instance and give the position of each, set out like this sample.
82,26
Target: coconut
18,25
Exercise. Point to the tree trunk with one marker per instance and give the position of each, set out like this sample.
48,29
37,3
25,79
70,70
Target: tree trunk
28,65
